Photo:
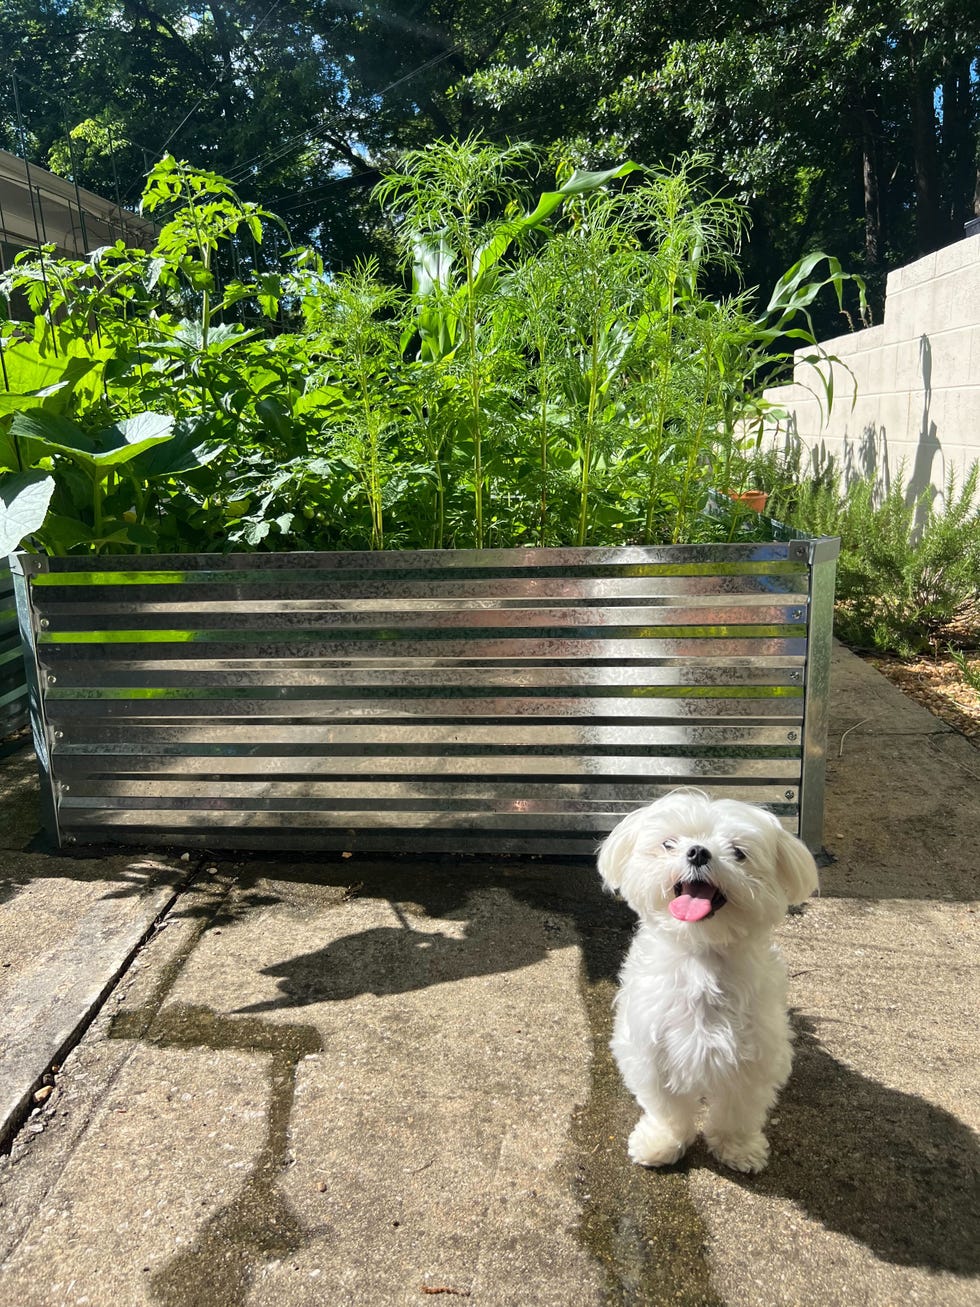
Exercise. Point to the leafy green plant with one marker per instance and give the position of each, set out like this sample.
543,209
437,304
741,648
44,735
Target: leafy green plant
907,568
458,209
95,498
969,668
127,354
552,370
358,336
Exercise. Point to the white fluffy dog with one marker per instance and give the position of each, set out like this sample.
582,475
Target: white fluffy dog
701,1013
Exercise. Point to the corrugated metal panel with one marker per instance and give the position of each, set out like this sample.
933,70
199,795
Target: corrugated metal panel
38,206
514,700
13,681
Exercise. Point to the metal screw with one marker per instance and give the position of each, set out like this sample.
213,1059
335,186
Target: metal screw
65,789
44,623
796,676
790,794
59,735
791,735
797,614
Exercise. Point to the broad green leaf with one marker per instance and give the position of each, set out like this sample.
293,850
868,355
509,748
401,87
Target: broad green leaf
319,399
268,291
490,254
61,534
123,532
28,371
24,501
183,452
53,432
110,448
432,265
190,336
124,441
10,402
234,293
578,184
276,418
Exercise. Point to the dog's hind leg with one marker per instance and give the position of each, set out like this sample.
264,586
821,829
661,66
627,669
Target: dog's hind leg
734,1129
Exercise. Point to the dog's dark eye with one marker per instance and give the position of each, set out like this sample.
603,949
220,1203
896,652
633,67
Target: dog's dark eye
670,845
738,854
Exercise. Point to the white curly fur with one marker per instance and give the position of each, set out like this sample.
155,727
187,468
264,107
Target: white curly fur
700,1017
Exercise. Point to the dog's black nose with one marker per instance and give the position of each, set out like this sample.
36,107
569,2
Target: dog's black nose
698,855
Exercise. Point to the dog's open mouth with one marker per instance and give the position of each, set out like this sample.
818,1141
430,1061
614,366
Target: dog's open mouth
696,900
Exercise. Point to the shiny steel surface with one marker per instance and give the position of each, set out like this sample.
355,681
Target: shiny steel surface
512,700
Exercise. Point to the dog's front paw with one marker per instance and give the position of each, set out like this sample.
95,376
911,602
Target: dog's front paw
740,1153
653,1143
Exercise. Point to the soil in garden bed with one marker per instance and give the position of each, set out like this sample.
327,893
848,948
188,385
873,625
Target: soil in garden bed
937,681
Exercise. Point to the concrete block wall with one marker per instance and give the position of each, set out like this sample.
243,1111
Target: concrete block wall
916,377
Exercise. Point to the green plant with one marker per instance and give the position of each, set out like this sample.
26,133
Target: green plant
127,354
92,501
357,336
458,208
906,567
969,668
552,371
592,272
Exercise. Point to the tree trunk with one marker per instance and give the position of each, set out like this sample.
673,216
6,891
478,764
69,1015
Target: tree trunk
959,145
930,229
870,135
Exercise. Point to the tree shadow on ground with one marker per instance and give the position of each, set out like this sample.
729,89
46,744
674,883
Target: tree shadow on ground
485,932
259,1223
881,1166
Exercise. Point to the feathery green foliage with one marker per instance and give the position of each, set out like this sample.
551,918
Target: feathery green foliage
907,567
553,370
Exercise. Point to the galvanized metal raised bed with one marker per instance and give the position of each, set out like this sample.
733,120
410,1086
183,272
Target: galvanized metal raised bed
13,681
494,701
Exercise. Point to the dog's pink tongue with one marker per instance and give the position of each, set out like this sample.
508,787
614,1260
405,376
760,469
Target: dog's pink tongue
692,906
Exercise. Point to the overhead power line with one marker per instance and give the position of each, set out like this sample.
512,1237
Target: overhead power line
261,161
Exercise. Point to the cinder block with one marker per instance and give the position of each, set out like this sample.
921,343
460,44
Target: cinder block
905,318
851,342
954,299
884,372
961,254
948,358
912,274
955,411
917,377
892,415
913,364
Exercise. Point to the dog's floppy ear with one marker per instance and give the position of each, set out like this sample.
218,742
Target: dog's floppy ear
795,868
617,849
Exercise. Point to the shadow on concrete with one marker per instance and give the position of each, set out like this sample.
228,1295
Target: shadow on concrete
259,1223
402,958
923,487
882,1167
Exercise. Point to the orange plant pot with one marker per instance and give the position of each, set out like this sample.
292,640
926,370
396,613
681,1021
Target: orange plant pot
756,500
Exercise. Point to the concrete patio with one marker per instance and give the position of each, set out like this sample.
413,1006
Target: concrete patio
277,1080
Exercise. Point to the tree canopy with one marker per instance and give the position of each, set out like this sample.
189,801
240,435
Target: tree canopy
850,127
843,126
